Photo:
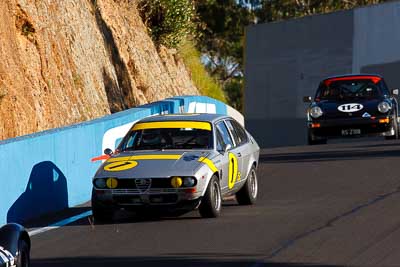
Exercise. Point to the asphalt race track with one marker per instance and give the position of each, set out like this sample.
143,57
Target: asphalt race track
328,205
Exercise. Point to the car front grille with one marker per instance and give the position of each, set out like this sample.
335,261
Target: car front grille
144,184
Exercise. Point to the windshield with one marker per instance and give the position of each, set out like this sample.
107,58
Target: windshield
345,89
167,138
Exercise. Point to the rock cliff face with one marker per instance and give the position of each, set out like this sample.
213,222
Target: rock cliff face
63,62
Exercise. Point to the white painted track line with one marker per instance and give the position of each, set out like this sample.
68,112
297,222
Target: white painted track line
60,223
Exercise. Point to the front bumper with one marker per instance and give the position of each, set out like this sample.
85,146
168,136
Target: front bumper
350,127
131,199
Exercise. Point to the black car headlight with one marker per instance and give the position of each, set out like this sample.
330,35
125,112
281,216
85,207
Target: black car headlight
100,183
316,112
189,181
384,107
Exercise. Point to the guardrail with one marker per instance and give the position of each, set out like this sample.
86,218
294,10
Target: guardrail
51,170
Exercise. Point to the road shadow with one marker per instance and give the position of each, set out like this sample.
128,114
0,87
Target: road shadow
322,156
129,217
45,192
161,262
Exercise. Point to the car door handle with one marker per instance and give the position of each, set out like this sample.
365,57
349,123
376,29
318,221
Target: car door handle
239,154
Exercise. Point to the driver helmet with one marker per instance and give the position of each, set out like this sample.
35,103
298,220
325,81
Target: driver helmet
151,138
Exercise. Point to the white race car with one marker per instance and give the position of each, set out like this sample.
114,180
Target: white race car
178,163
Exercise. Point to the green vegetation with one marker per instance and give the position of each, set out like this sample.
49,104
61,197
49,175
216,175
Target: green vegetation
206,84
173,23
169,21
221,41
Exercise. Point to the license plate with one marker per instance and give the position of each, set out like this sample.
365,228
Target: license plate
346,132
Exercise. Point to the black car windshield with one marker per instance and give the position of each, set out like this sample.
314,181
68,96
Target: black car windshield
167,138
345,89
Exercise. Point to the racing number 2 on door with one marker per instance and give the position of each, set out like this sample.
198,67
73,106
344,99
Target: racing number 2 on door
233,170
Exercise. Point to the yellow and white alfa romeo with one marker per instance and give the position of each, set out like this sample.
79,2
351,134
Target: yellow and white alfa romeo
178,163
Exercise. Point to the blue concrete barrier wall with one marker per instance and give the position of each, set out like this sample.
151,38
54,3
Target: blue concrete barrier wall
51,170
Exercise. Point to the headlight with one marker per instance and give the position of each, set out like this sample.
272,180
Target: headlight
189,182
100,183
176,182
112,183
384,107
316,112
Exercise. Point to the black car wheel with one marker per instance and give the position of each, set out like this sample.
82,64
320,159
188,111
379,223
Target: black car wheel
396,130
23,258
247,195
210,206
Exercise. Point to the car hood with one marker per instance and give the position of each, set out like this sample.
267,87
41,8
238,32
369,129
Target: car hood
152,164
368,108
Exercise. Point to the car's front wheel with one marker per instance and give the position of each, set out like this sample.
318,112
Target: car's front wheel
210,206
247,195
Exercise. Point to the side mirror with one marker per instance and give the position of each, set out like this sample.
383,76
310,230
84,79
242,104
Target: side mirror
108,151
307,99
395,92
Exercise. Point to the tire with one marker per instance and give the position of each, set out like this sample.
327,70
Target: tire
210,206
23,258
247,195
396,131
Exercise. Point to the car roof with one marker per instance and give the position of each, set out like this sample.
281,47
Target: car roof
186,117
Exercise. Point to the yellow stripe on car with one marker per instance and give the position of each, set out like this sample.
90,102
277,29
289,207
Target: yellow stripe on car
118,159
209,163
173,124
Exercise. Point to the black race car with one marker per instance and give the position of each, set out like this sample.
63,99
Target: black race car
352,106
14,246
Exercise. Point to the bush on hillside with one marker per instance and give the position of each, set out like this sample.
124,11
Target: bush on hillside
206,84
169,21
